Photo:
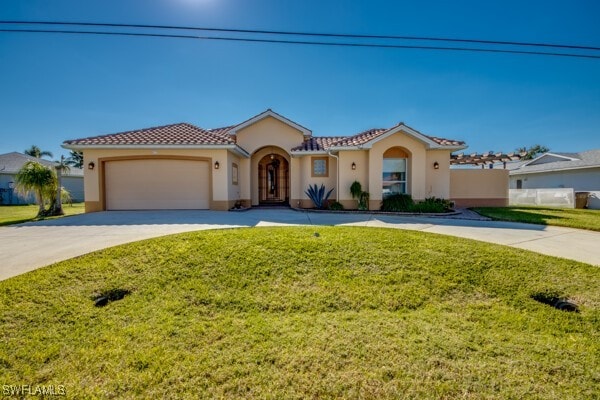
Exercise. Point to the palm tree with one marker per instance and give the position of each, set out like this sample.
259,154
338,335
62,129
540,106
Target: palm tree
36,178
56,207
75,159
35,151
532,152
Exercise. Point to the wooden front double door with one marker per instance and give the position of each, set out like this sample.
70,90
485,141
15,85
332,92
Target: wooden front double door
273,180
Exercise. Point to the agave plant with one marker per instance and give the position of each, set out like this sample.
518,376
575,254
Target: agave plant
317,195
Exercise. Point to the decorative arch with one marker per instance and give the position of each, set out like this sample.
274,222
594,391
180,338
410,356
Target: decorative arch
395,171
271,176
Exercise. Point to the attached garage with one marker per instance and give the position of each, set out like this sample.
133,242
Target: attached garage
157,184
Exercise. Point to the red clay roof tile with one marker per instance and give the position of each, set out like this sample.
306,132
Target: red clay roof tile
188,134
176,134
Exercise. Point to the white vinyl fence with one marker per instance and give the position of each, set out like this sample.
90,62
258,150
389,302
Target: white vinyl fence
542,197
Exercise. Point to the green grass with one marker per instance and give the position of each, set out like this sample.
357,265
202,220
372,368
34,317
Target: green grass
16,214
284,313
572,218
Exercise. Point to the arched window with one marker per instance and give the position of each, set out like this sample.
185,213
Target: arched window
395,171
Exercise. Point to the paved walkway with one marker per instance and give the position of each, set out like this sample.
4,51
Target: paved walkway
32,245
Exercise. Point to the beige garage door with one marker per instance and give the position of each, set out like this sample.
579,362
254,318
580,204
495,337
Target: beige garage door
156,184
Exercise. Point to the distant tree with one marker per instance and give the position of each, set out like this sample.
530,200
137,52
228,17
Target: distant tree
39,179
75,159
532,152
35,151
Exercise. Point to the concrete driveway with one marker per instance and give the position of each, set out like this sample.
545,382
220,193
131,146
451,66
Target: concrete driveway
32,245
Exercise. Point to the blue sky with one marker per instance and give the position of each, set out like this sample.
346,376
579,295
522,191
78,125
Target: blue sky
58,87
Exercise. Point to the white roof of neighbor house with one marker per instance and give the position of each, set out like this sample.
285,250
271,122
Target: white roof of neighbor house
11,163
553,161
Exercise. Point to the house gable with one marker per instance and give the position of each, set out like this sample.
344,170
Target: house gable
405,130
268,130
549,158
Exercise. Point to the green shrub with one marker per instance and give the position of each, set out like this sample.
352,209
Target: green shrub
432,205
357,193
404,203
355,189
336,206
397,202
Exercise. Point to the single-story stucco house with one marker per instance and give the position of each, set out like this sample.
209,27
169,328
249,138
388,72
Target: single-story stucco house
266,159
11,163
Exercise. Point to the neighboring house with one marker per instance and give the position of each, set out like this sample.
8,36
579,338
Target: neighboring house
580,171
11,163
265,160
571,175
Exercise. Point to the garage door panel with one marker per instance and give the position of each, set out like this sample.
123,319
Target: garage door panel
156,184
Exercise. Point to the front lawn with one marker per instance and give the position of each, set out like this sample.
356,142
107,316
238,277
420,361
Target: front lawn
16,214
305,312
569,217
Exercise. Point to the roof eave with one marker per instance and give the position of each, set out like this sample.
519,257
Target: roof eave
340,148
521,172
147,146
307,152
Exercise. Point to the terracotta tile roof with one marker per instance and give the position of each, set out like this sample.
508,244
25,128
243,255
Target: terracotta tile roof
176,134
188,134
446,142
361,138
318,143
324,143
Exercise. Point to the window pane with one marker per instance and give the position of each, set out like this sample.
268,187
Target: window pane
394,165
394,176
319,167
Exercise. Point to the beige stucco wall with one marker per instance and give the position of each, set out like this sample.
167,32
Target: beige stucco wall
268,132
348,175
437,181
234,190
92,181
305,165
479,187
245,180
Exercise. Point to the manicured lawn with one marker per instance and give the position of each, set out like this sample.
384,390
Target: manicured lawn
16,214
572,218
285,313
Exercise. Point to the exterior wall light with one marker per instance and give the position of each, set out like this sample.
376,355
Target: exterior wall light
353,166
436,165
91,165
217,165
11,185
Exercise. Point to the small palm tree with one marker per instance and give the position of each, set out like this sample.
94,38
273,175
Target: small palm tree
35,151
532,152
36,178
75,159
56,206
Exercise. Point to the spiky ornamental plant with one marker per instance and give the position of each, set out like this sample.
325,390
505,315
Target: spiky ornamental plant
317,195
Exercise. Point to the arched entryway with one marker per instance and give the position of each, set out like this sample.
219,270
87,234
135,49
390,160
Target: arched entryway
273,180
